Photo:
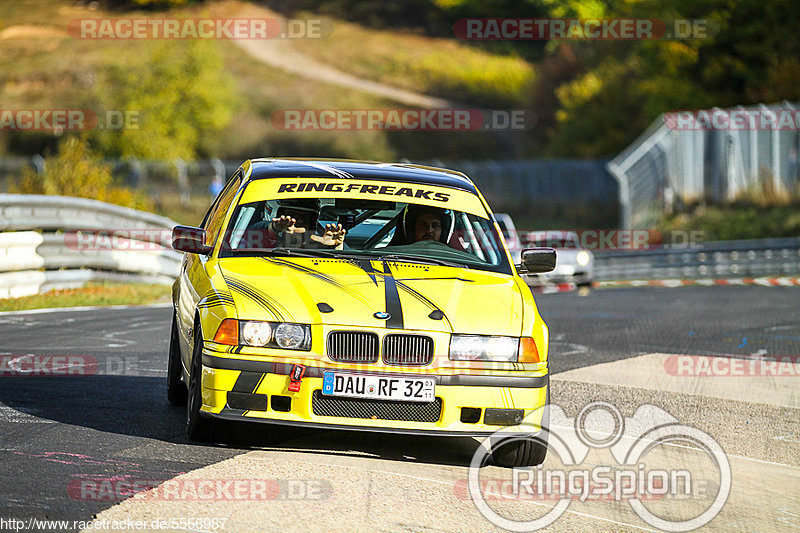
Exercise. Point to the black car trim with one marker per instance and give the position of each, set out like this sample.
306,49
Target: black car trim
359,170
238,415
284,369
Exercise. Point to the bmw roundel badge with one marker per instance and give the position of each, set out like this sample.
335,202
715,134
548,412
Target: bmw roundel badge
382,315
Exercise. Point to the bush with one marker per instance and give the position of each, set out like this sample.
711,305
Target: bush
740,220
76,172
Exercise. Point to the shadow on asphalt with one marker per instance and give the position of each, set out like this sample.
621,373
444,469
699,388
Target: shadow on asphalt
453,451
137,406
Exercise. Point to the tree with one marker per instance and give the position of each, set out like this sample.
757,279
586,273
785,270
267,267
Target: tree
180,96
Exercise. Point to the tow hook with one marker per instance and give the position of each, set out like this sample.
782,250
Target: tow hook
296,377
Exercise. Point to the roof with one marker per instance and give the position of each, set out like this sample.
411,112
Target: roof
362,170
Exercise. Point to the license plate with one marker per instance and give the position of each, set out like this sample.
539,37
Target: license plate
401,388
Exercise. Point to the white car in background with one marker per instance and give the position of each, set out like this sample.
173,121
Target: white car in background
573,262
511,235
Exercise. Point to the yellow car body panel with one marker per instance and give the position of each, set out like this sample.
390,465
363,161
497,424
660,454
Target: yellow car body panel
290,289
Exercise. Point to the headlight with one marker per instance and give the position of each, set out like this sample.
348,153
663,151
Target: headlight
256,333
483,348
292,336
582,258
273,334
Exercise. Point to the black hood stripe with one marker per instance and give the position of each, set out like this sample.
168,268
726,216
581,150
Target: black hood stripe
214,299
271,305
424,299
322,277
366,266
393,305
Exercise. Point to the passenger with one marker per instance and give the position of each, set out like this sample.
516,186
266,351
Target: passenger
295,225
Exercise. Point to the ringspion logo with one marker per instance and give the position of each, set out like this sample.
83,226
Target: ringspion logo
632,461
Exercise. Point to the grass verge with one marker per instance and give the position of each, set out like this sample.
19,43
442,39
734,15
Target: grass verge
100,293
441,67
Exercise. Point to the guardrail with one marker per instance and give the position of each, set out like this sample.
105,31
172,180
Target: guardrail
50,242
750,258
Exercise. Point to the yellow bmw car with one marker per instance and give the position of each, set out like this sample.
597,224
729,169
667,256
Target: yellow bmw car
359,296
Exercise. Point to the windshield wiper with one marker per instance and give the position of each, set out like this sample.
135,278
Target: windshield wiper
314,252
409,258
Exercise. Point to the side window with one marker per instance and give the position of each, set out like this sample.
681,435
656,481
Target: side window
216,215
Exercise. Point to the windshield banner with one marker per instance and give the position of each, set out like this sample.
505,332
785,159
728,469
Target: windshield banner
391,191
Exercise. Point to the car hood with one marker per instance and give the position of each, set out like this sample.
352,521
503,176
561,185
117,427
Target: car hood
301,289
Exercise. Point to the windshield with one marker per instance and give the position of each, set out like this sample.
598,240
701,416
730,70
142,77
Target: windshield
377,229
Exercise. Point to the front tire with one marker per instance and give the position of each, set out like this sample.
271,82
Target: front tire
198,428
524,451
520,451
176,388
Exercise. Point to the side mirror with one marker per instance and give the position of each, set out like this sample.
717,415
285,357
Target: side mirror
190,239
538,260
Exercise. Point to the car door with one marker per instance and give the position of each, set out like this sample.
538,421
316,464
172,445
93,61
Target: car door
194,280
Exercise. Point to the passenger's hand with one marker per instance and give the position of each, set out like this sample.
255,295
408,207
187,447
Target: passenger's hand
286,224
333,236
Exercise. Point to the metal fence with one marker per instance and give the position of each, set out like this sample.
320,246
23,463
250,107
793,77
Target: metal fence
556,180
154,178
735,259
712,154
506,184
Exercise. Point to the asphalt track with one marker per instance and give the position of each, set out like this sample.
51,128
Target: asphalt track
115,424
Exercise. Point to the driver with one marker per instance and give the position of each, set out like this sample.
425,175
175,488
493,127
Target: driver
425,223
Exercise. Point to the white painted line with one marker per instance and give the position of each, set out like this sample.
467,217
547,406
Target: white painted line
85,308
685,447
450,484
650,372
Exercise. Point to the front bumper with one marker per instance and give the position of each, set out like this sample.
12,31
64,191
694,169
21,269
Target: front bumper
247,390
